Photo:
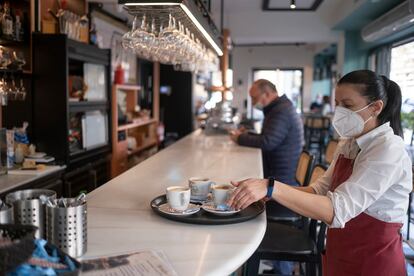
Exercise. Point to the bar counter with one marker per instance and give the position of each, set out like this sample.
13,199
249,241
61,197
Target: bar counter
15,179
120,219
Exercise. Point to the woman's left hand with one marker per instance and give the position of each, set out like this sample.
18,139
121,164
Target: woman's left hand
247,192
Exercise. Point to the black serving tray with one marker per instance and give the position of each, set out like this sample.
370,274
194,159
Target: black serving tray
203,217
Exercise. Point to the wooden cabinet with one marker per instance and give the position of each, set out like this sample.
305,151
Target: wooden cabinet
86,178
54,185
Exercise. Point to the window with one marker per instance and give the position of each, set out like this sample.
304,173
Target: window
288,82
402,72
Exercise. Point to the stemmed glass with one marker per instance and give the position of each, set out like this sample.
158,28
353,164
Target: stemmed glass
3,92
170,34
141,39
127,37
12,90
5,58
19,59
21,91
172,44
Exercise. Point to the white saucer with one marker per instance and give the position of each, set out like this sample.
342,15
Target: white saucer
37,155
197,201
200,201
211,208
191,210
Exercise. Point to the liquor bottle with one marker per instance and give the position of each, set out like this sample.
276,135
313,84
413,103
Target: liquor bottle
7,22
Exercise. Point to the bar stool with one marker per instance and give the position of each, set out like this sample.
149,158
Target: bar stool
317,132
278,213
287,243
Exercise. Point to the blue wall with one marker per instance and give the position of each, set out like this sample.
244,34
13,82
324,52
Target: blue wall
357,50
322,87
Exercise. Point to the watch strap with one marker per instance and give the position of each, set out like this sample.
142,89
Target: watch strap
270,187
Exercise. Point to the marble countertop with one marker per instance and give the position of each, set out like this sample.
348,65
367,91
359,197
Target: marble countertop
120,219
19,178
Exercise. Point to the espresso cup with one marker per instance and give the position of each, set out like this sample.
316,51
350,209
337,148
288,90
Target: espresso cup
178,197
200,187
221,193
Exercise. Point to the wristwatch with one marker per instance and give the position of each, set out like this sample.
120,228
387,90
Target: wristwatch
270,187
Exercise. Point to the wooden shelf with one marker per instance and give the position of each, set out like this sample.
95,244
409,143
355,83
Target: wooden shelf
130,87
15,71
144,131
141,148
138,124
11,42
220,88
86,103
88,106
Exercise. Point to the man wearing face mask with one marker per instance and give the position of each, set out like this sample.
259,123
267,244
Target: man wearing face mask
281,139
281,142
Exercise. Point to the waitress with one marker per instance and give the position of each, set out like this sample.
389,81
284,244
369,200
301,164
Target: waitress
363,196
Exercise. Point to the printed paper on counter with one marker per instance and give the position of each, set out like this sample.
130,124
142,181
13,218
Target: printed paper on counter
145,263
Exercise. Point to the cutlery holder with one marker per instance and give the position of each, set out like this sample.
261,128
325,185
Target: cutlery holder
67,228
6,214
28,209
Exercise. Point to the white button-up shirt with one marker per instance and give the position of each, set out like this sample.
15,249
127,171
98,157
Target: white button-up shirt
380,182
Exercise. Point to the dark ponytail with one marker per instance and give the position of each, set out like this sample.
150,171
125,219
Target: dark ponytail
392,110
375,87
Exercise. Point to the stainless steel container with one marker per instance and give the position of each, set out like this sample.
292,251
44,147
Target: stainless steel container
6,214
67,228
29,209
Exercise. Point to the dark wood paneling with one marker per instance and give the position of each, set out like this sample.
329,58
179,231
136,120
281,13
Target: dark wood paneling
176,109
50,63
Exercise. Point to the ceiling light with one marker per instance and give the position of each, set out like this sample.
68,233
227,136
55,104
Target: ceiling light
293,4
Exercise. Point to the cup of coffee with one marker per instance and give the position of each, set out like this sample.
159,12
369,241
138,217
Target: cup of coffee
221,193
200,187
178,197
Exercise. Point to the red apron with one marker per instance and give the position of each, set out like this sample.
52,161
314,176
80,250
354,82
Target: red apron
366,246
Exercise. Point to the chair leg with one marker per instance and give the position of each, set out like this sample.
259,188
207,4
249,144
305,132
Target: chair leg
251,267
319,266
310,269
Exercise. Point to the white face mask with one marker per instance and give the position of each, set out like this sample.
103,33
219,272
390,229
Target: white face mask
258,106
348,123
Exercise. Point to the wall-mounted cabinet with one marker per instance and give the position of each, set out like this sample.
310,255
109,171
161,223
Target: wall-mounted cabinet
16,59
69,122
72,102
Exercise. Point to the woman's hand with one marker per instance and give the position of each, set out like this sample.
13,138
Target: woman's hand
247,192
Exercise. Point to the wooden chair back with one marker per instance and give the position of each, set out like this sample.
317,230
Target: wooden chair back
304,167
317,172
